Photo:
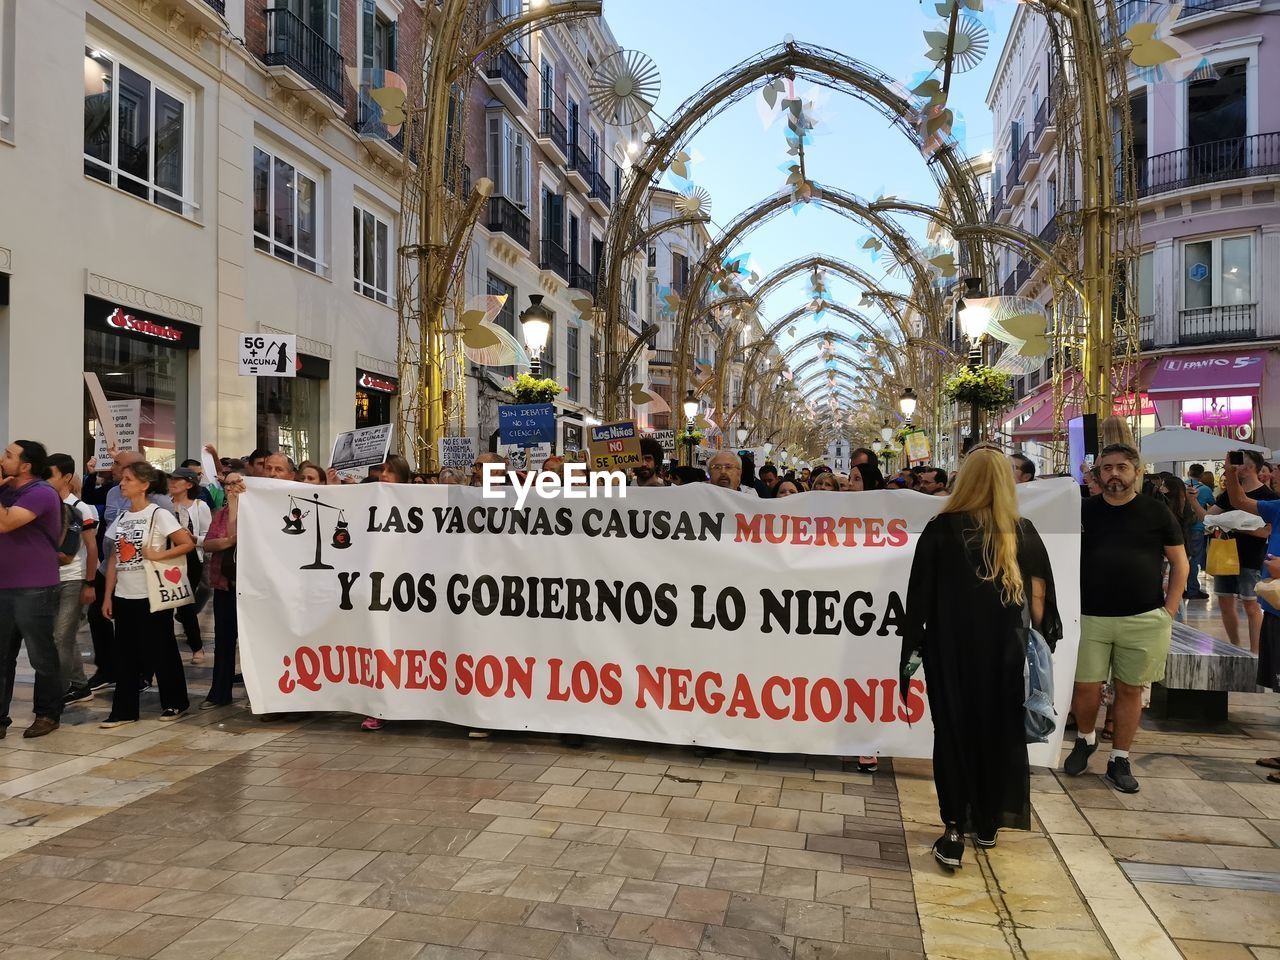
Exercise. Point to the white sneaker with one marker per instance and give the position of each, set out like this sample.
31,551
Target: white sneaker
112,724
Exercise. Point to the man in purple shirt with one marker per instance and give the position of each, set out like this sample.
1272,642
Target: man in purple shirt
30,530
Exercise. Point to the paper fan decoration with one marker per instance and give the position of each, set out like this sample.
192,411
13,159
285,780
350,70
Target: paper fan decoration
625,87
1016,365
1018,321
1154,50
969,48
643,395
484,342
694,201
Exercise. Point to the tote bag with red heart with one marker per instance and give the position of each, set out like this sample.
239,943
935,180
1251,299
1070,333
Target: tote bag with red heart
167,583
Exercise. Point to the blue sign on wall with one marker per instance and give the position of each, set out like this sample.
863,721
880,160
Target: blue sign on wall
527,424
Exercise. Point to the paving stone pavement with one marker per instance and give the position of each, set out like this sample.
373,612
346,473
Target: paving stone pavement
417,842
222,837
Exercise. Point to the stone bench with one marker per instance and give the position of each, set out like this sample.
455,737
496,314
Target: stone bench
1199,673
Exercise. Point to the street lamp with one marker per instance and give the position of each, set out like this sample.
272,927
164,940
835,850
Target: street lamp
742,435
690,407
907,404
973,318
886,432
876,447
535,323
768,448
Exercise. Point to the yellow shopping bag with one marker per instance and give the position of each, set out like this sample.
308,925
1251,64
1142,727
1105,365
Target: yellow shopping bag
1224,558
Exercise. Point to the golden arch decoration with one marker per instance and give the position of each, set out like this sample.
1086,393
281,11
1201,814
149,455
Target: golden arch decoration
792,60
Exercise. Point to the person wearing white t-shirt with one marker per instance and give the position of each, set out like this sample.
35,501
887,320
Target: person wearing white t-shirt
193,514
75,587
141,636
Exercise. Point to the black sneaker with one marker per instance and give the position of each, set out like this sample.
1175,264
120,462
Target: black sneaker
948,849
985,839
99,682
1120,776
171,714
1078,761
77,694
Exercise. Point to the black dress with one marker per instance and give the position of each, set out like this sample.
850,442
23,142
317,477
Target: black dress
973,653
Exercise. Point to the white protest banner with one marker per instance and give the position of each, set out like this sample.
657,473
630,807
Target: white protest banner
457,452
693,616
125,416
355,451
273,355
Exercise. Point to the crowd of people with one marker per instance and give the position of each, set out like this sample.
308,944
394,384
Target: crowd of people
74,543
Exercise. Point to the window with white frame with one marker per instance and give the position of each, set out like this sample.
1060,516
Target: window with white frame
286,210
136,134
575,375
1146,285
372,245
509,164
1217,272
378,38
6,66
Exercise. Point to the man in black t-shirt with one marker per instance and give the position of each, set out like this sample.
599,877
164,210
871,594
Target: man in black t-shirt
1126,621
1252,547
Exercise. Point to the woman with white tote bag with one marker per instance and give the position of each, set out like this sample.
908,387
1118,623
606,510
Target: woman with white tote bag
144,639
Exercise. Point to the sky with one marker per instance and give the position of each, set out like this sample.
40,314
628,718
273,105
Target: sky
738,160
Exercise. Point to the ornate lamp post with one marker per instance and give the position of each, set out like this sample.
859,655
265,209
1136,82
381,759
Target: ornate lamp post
535,323
690,407
907,404
973,319
743,433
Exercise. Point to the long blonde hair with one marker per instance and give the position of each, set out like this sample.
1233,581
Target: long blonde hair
1113,430
984,488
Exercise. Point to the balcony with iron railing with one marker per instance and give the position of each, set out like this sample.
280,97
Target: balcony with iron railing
552,135
1043,126
396,143
506,217
577,167
599,192
1028,159
1233,159
1134,11
502,69
997,202
580,278
1217,324
554,258
218,6
294,46
1147,332
461,175
1049,232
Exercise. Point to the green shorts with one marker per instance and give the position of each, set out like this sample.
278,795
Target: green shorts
1131,649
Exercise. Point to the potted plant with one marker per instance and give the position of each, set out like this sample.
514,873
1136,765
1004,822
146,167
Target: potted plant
526,388
691,438
981,388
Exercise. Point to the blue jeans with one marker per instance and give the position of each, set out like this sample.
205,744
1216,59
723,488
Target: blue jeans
1196,556
28,613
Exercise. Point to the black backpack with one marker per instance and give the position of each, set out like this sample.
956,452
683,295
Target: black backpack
72,527
67,546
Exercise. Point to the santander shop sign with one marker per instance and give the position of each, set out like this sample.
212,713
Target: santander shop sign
127,321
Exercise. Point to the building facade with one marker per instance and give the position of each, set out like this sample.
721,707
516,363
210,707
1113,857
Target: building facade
1207,159
217,188
558,166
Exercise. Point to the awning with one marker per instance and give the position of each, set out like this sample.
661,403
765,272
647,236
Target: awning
1041,394
1040,425
1183,376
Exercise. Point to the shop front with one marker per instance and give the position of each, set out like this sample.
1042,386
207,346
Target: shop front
1217,393
142,357
375,398
290,411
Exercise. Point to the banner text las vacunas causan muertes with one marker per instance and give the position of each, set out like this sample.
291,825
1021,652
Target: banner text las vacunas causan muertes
692,615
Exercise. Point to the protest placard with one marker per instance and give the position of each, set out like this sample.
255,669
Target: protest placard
614,446
355,451
526,424
457,452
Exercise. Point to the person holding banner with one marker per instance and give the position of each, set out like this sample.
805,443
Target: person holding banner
979,575
142,636
220,544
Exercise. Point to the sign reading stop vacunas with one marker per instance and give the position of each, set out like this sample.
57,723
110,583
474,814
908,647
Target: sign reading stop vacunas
614,446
